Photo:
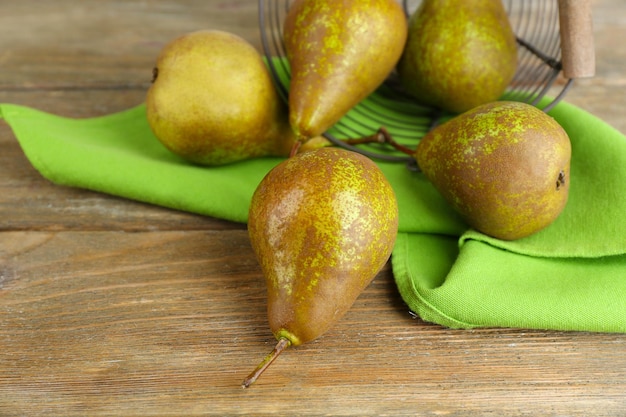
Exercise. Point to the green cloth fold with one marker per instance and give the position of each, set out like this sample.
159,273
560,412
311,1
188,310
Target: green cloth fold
570,276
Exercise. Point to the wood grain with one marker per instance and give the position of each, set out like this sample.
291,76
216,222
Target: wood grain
109,307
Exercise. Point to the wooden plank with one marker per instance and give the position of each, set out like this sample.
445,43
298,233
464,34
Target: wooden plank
102,43
112,307
144,323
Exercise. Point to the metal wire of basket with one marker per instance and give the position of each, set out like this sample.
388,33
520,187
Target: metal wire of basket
536,25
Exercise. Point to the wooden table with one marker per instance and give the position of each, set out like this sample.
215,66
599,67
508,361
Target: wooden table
113,307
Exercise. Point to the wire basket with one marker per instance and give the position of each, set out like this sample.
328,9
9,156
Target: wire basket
544,73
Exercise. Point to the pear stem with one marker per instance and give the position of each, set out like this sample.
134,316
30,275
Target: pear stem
295,148
383,136
378,137
267,361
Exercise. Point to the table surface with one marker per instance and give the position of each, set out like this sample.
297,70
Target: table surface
113,307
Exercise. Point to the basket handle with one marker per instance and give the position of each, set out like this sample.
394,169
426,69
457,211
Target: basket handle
577,46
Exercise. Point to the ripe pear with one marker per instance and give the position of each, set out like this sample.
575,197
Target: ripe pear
339,52
459,54
213,101
504,166
322,224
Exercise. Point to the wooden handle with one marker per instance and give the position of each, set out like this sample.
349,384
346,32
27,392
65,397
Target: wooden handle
577,46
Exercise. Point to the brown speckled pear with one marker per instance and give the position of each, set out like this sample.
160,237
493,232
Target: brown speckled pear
212,101
459,54
504,166
339,53
322,224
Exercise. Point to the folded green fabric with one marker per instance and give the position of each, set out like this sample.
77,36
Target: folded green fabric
570,276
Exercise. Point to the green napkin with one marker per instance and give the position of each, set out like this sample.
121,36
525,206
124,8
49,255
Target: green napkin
570,276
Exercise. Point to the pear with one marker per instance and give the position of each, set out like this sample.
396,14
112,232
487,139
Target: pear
213,101
322,224
504,166
459,54
339,53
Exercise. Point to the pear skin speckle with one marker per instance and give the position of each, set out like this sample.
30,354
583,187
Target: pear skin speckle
459,54
322,224
213,101
504,166
339,52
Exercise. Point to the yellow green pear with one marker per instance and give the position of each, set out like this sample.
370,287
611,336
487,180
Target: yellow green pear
339,52
322,224
459,54
504,166
213,101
